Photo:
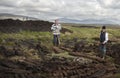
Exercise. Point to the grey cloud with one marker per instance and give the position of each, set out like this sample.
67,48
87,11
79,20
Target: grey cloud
110,4
69,9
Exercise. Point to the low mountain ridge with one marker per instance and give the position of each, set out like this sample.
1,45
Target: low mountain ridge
15,17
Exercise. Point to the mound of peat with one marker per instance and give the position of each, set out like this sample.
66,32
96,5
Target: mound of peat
54,68
12,26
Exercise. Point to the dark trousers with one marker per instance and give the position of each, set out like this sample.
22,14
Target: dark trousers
102,50
56,40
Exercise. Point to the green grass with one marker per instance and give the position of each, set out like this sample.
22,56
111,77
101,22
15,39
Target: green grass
90,33
26,35
62,54
46,38
117,75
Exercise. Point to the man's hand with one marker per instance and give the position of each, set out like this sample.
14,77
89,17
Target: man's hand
103,42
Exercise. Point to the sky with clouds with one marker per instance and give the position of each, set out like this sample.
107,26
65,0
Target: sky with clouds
89,11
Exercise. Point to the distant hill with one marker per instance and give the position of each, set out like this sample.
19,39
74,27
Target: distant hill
15,17
89,21
91,25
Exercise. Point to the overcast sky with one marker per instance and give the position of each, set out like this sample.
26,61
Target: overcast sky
81,10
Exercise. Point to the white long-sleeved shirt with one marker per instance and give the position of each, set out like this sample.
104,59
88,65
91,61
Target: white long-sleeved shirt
106,38
56,29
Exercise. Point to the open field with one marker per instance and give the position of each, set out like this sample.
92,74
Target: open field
31,54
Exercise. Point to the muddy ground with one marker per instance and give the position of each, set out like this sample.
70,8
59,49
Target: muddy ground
55,68
82,65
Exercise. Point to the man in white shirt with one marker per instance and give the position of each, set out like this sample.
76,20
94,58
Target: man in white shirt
103,41
56,27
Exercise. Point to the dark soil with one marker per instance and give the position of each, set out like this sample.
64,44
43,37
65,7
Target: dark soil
54,68
57,67
13,26
10,52
83,46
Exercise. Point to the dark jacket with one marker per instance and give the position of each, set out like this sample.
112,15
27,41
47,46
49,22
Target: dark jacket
102,36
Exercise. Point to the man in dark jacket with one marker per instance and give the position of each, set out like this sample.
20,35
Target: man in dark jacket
103,41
